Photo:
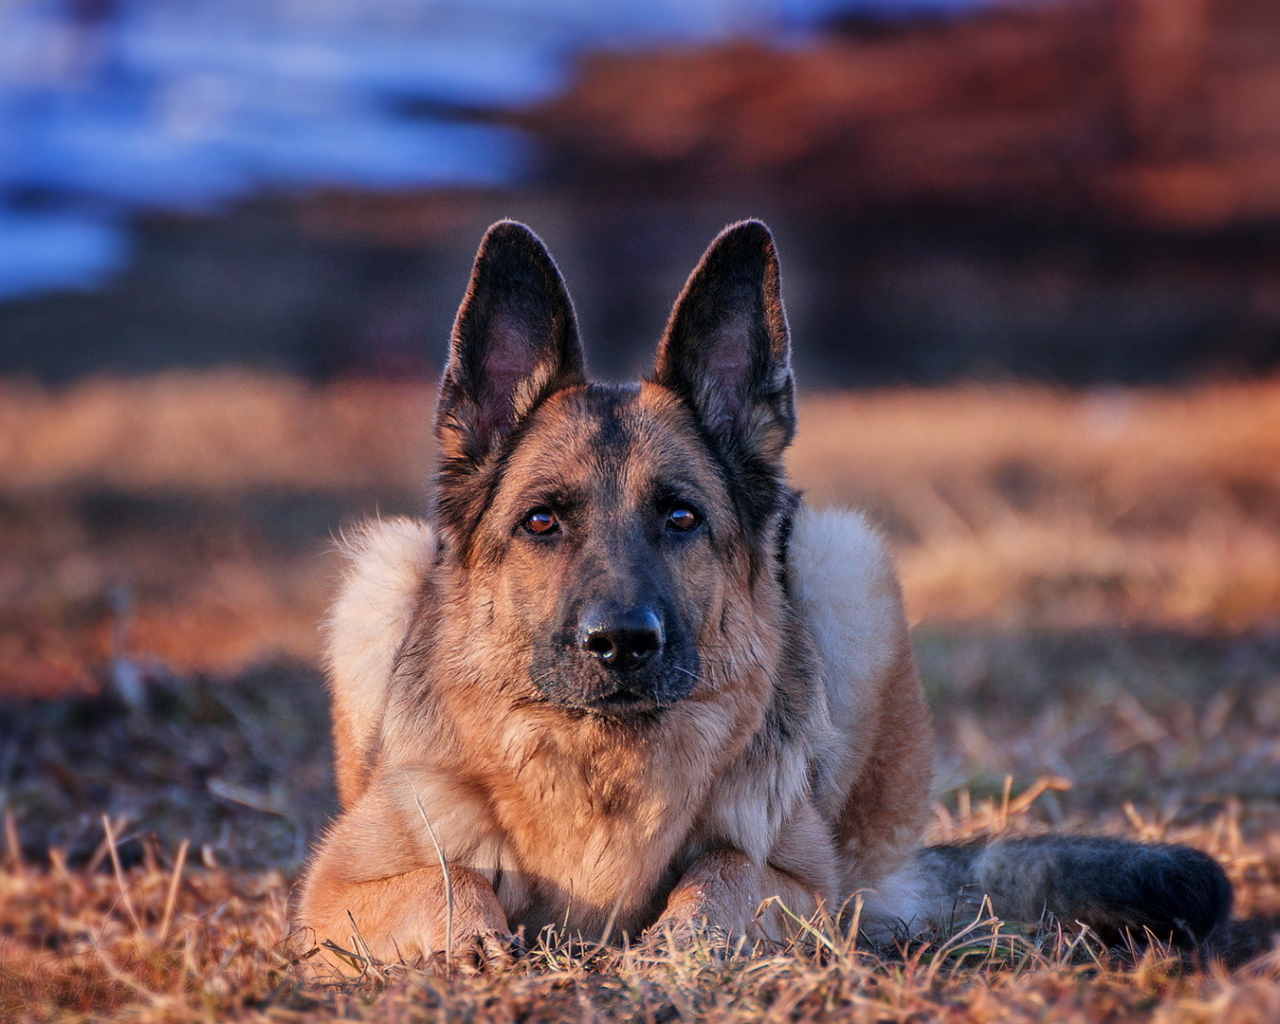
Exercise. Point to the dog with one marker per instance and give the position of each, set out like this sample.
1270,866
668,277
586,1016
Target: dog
622,681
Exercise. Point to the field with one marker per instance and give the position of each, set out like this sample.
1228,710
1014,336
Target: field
1093,578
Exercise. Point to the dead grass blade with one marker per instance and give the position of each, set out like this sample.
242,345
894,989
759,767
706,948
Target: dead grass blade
448,885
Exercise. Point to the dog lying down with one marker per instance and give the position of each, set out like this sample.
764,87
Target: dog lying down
622,680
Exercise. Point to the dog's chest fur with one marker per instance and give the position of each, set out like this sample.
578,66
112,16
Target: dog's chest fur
588,827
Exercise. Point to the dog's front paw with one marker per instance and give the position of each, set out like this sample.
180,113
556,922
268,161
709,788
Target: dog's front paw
477,953
676,935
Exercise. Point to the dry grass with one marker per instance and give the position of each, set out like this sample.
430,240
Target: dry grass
212,953
1096,578
1025,505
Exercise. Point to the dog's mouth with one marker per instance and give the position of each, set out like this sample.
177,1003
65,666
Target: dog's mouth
627,702
572,684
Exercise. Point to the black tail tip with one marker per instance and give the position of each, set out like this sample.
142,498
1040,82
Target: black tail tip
1185,892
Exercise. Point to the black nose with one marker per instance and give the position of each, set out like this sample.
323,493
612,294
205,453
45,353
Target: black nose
620,638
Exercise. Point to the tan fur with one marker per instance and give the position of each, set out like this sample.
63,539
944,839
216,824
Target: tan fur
548,804
769,744
878,778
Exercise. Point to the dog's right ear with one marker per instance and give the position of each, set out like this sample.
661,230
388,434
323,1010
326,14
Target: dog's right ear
515,342
726,350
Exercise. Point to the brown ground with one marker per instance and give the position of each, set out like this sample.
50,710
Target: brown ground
1095,578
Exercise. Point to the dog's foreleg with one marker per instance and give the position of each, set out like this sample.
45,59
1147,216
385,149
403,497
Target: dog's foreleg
724,893
720,892
409,917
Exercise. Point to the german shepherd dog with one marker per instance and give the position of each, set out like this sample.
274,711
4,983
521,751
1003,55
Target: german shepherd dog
621,680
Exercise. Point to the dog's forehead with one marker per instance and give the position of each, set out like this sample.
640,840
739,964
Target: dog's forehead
625,434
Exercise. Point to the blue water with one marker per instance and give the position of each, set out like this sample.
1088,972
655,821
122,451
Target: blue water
109,108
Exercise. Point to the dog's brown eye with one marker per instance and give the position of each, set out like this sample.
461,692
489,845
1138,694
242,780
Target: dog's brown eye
682,518
541,521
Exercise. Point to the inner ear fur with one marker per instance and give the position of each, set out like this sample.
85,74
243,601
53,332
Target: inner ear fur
726,349
515,341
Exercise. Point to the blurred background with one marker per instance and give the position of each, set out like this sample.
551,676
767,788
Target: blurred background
1031,257
1079,191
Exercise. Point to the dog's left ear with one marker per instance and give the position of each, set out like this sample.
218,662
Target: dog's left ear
726,350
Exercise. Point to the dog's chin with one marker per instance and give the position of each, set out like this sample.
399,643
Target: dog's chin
624,708
627,699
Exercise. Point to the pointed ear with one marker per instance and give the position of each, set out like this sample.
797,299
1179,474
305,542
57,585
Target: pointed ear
726,350
515,341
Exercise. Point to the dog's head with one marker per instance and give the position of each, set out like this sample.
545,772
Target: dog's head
613,548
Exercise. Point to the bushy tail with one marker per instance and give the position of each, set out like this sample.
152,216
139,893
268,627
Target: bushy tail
1111,885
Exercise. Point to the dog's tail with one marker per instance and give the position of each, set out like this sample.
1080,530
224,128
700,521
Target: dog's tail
1113,886
386,563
